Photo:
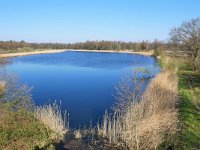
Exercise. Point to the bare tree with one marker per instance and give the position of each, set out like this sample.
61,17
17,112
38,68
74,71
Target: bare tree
187,37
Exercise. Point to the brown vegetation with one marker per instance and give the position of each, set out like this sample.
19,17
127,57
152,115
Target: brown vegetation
147,123
51,116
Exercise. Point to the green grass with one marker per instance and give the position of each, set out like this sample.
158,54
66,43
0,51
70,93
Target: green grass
189,88
20,130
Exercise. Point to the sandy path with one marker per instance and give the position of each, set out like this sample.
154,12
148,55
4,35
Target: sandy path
31,53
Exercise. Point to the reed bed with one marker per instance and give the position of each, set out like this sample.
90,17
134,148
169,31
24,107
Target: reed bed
2,87
78,134
53,118
147,123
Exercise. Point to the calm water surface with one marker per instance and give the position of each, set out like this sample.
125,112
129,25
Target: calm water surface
84,81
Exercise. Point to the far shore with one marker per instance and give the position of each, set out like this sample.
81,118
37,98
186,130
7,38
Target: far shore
146,53
8,55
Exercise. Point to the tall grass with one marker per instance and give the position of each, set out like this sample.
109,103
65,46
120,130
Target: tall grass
51,116
2,87
147,123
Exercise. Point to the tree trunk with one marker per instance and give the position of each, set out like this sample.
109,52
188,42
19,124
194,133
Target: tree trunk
194,62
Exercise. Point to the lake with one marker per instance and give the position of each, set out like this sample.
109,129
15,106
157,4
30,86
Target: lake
84,82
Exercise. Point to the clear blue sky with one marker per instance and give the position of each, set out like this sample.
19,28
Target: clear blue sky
81,20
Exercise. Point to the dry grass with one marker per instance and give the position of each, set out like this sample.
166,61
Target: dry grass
2,87
147,123
51,116
77,134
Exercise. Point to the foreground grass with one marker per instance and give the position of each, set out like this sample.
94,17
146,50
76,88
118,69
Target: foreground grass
24,129
18,127
20,130
189,88
23,125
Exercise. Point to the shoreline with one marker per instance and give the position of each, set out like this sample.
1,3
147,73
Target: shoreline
9,55
147,53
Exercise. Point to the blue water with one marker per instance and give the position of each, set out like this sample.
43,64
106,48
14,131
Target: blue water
83,81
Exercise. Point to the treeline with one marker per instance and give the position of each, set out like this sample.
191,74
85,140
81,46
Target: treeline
117,45
13,45
90,45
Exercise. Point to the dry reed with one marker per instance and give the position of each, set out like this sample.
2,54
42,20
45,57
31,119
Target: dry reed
77,134
51,116
2,87
147,123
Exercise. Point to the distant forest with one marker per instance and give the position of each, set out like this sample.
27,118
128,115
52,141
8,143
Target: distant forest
90,45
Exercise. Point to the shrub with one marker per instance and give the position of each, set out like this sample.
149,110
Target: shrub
159,52
20,130
18,127
21,127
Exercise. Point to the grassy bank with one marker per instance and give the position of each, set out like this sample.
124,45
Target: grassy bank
22,124
189,105
189,88
20,130
18,127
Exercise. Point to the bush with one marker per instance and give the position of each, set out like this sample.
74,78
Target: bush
159,52
20,130
20,126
